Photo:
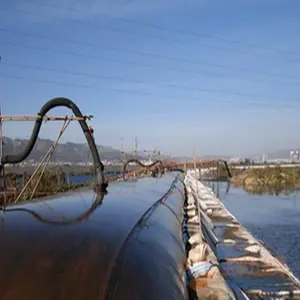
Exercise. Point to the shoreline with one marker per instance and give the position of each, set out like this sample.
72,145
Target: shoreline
274,181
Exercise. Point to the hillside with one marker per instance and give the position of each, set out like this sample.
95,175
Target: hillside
67,152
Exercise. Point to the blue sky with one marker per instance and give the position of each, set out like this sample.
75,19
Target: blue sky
220,76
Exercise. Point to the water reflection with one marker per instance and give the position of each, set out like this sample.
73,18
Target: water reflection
267,190
64,221
215,186
271,190
78,206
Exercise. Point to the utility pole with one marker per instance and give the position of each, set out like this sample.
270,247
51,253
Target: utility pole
136,145
122,153
152,153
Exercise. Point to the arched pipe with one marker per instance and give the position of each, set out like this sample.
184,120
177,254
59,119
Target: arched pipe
57,102
142,165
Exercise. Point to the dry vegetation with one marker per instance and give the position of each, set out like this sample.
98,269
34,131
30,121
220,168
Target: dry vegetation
268,180
55,181
50,183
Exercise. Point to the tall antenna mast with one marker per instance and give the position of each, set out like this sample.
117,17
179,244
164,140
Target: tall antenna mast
136,145
122,153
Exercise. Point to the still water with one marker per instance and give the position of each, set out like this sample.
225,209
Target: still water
273,219
80,179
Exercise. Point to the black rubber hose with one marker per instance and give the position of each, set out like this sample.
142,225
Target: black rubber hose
227,168
56,102
176,170
141,164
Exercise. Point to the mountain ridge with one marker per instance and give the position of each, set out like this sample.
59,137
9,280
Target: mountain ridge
64,152
79,152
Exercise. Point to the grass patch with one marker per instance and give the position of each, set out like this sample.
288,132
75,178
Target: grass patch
274,181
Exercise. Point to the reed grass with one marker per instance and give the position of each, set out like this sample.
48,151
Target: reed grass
51,183
269,180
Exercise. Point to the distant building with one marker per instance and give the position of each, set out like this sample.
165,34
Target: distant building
294,155
235,160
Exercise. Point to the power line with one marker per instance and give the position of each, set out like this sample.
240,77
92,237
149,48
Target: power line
127,91
175,86
133,63
153,55
126,31
155,26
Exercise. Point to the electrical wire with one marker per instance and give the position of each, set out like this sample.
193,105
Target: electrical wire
163,28
175,86
146,65
285,105
147,54
132,32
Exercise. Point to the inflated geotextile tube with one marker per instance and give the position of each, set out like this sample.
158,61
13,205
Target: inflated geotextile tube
203,275
248,267
155,247
127,245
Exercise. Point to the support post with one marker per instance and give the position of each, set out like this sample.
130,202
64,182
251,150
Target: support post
195,170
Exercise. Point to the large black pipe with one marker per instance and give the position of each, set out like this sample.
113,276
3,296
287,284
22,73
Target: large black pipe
56,102
130,247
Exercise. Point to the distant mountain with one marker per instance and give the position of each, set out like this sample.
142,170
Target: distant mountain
79,152
67,152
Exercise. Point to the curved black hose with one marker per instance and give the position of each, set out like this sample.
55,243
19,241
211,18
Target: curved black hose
56,102
176,170
84,216
154,174
226,166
